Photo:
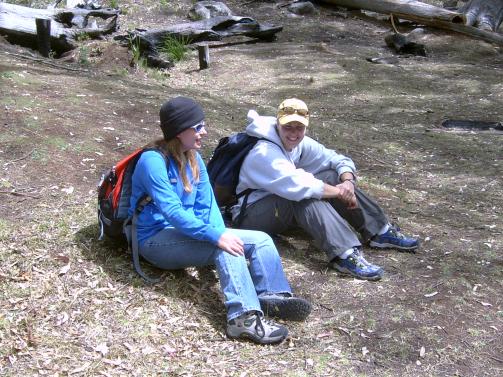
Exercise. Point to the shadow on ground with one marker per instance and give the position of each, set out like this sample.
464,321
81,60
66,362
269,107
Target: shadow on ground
198,286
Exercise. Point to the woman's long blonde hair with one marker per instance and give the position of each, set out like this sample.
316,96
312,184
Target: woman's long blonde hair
173,148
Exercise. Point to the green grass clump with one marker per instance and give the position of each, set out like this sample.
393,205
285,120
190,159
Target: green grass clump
82,37
134,46
175,48
84,55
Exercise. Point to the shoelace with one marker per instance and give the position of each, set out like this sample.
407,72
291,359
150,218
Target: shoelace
395,231
259,327
359,259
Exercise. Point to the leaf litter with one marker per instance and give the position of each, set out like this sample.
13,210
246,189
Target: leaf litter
57,311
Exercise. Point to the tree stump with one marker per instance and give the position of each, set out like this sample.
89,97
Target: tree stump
204,56
43,36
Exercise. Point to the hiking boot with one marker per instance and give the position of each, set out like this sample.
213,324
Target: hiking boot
284,306
394,239
254,326
356,266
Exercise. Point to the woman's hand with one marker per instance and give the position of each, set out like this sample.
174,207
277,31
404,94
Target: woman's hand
231,244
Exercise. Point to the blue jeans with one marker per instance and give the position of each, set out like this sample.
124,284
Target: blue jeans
242,278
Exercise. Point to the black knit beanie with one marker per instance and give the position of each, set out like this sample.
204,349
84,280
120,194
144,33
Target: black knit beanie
178,114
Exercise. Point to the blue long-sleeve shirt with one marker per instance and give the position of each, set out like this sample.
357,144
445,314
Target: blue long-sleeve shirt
195,214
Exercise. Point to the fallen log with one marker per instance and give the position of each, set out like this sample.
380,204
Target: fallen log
472,124
18,24
425,14
217,28
407,9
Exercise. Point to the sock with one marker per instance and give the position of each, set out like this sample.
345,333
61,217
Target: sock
384,229
346,254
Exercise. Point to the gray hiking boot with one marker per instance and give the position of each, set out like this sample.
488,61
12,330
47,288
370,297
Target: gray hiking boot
254,326
284,306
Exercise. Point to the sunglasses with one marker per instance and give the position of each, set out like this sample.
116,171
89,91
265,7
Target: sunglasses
291,110
199,127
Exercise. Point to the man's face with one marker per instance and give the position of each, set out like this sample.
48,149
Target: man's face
291,134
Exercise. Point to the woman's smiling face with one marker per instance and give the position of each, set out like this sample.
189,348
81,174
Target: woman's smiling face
191,138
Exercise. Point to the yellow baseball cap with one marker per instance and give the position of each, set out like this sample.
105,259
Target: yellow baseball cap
293,110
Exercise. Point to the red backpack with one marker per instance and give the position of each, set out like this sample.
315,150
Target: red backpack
114,197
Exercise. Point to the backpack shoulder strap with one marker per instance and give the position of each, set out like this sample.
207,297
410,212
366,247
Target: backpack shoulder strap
134,245
134,241
246,193
270,141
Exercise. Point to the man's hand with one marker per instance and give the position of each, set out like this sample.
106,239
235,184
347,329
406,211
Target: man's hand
347,194
231,244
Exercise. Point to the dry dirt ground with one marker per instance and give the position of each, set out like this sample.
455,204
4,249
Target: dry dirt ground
72,305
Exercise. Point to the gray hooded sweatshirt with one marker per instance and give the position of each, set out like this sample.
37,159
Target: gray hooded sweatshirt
270,169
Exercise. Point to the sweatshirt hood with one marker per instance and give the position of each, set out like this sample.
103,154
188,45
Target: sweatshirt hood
262,127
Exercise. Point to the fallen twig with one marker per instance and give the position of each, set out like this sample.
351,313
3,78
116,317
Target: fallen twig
344,331
466,343
288,3
494,358
325,307
15,193
20,158
438,284
44,61
395,267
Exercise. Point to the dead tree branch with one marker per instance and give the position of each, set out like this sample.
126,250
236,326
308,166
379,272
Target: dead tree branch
18,24
432,16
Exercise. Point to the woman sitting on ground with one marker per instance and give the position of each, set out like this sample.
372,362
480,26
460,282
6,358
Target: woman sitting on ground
182,227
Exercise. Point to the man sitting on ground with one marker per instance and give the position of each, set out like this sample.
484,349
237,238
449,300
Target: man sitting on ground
297,182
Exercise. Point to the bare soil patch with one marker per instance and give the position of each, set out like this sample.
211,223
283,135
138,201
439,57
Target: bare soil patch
73,305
